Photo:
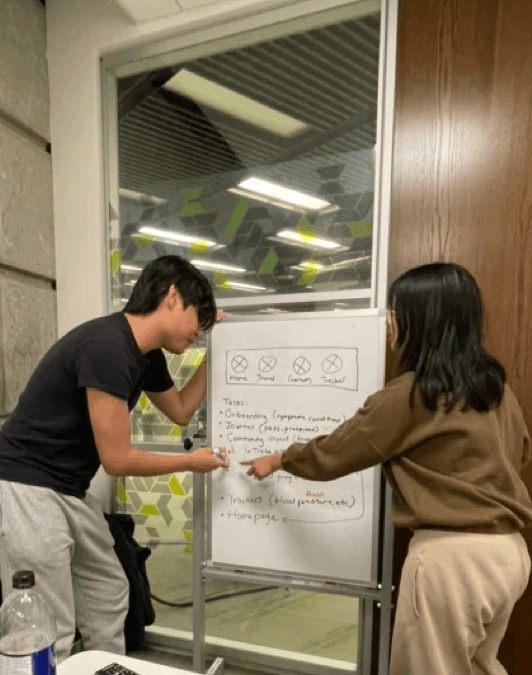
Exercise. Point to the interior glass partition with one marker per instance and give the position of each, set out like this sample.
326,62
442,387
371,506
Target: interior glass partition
257,163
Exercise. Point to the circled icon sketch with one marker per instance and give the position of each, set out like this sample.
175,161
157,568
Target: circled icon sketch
301,365
332,364
267,363
239,363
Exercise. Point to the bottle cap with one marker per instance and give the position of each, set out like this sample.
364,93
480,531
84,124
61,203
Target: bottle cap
23,579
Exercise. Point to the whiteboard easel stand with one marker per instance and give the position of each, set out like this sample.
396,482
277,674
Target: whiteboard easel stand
385,626
198,581
380,597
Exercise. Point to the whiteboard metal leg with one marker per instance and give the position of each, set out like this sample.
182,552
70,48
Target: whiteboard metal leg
359,659
365,635
198,583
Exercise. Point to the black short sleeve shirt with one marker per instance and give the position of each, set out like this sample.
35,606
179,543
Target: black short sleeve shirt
48,439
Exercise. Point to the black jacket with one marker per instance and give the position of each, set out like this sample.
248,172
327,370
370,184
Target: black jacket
133,558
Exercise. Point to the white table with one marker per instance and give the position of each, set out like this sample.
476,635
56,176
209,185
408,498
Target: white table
86,663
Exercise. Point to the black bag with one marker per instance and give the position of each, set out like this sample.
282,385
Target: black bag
133,558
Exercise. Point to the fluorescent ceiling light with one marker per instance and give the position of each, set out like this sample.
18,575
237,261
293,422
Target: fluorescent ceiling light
209,93
274,193
244,287
141,197
342,264
210,265
131,268
308,265
262,198
307,240
175,237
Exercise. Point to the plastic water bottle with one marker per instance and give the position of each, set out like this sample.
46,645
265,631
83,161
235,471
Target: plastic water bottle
27,630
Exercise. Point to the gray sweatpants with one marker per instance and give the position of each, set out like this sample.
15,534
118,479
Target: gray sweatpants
456,595
67,543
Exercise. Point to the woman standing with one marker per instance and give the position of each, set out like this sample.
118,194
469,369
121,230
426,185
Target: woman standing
452,441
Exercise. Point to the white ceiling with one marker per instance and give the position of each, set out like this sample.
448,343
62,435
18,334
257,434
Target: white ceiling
140,11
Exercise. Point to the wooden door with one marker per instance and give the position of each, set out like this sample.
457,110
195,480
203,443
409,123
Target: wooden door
462,183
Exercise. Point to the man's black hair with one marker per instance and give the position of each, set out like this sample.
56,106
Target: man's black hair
439,315
169,270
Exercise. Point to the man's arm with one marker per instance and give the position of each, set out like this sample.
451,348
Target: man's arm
109,418
180,404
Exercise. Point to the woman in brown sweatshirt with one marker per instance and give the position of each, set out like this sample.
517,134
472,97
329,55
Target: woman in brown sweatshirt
452,441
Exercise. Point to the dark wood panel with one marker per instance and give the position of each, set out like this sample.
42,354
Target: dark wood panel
463,181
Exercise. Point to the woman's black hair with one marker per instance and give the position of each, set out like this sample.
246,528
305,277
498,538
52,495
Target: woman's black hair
169,270
439,316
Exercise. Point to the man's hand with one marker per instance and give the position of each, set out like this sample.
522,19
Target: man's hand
263,466
204,460
221,314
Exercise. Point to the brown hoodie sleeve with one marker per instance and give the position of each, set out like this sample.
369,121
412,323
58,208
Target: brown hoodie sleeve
372,436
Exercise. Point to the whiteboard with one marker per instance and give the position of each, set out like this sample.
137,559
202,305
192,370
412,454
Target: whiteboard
278,380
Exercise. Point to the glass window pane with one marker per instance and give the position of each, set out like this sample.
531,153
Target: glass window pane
256,164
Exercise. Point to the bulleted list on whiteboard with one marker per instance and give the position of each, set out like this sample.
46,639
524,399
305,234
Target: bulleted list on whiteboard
276,522
280,498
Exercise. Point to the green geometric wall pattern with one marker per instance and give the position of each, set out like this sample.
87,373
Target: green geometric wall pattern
160,506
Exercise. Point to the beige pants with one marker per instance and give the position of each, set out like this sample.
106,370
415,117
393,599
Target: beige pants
67,543
456,596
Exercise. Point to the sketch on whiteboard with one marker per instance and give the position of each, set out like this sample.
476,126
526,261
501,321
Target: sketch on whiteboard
267,363
332,364
239,363
294,366
301,365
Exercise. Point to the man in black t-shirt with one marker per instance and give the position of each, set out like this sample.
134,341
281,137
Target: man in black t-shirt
72,416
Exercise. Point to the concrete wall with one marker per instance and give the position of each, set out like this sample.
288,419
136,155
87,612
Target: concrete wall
28,320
